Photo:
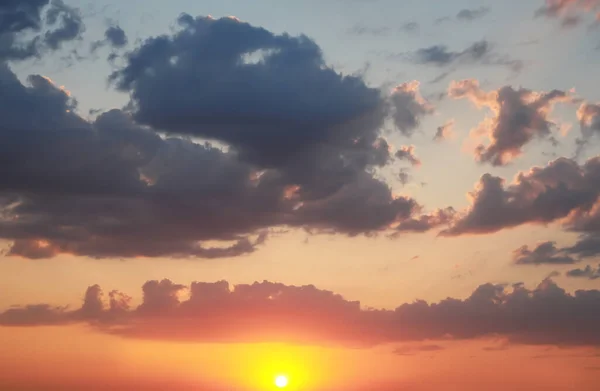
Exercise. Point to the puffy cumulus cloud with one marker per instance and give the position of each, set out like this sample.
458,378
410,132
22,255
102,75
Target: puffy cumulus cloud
543,254
570,12
270,312
445,131
561,191
271,97
480,52
112,187
519,116
407,152
30,27
588,272
409,107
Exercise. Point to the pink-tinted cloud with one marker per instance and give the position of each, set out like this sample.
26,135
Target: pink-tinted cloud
409,107
562,190
407,152
519,116
570,12
268,312
445,131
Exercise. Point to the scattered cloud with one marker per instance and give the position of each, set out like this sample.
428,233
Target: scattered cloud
519,116
543,254
114,36
365,30
409,107
445,131
469,15
570,12
561,191
589,123
480,52
588,272
46,24
273,312
410,27
407,152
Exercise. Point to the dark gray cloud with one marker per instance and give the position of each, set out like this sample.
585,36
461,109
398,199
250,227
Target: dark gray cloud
272,312
543,254
28,28
427,222
542,195
65,24
480,52
520,116
409,107
588,272
469,15
114,36
294,156
407,152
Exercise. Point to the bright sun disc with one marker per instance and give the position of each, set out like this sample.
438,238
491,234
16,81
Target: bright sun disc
281,381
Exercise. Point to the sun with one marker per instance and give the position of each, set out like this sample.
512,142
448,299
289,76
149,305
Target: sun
281,381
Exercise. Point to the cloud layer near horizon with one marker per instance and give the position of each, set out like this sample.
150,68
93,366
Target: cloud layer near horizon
272,312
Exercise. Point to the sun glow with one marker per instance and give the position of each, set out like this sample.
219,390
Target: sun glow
281,381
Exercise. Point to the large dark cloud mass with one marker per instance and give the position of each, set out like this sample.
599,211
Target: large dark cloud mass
299,145
268,312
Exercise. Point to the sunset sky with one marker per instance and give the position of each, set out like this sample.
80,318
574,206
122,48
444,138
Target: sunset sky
353,194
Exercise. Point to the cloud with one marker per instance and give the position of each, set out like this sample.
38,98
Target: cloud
480,52
518,117
543,254
67,24
365,30
427,222
410,27
271,312
114,36
409,107
444,131
589,273
31,27
568,11
561,191
407,152
588,115
289,154
468,15
411,350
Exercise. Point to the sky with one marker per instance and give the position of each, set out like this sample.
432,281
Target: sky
353,194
